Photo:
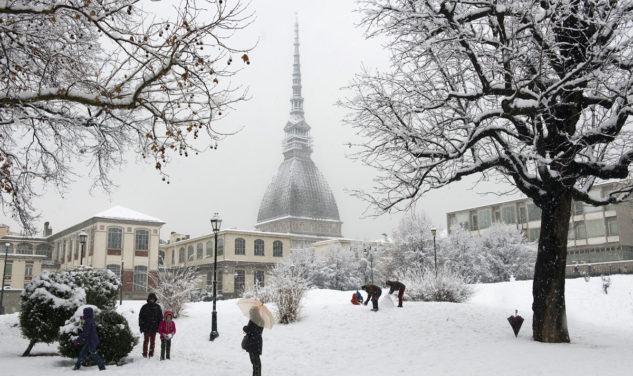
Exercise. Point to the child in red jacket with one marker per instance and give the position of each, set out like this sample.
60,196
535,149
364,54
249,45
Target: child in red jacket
166,329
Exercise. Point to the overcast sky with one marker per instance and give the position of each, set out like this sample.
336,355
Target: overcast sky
232,179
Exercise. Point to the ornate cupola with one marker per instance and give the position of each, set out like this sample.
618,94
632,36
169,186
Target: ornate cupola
299,199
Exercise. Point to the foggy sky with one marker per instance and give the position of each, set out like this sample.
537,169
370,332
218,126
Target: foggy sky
232,179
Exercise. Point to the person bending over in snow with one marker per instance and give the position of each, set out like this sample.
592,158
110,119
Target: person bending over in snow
395,285
373,293
90,340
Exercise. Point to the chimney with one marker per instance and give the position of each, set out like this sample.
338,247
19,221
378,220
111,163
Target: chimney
48,231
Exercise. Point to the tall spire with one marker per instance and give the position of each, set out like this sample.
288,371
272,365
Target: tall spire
297,142
296,101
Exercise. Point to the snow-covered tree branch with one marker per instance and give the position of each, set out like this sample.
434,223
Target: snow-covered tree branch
88,80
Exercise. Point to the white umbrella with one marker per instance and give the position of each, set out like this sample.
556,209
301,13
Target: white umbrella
257,312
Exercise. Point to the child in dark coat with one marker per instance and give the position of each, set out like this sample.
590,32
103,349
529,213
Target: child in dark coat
149,318
254,342
166,329
90,340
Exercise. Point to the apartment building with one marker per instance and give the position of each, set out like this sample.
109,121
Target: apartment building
600,238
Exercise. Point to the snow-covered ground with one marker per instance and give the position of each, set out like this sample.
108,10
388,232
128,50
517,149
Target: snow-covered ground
335,337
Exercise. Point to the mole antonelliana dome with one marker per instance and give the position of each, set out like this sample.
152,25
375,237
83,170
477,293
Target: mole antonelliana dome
299,199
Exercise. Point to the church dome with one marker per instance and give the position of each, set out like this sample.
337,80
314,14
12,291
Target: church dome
298,190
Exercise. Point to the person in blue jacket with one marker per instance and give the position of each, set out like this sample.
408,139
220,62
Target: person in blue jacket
90,340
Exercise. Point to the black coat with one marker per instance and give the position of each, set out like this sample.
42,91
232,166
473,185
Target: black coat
149,317
254,341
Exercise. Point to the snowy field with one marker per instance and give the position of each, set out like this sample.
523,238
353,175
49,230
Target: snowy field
337,338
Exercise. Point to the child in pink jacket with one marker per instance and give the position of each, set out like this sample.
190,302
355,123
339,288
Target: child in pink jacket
166,329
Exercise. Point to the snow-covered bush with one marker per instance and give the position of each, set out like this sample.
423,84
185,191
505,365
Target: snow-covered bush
448,286
46,303
101,286
285,288
340,270
116,340
174,287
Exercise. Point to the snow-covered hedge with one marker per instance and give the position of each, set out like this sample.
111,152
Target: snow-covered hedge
101,285
448,286
47,302
116,340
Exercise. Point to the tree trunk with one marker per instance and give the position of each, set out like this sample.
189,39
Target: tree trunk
27,352
548,289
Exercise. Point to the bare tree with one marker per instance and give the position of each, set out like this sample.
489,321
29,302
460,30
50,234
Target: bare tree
89,80
174,286
532,92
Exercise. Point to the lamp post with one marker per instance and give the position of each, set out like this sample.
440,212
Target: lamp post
4,270
82,239
215,224
434,231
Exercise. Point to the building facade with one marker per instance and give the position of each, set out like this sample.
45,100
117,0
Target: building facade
597,234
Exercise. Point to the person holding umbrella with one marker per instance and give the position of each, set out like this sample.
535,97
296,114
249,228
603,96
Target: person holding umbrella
259,317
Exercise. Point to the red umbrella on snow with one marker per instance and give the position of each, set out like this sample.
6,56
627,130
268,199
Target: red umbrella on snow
515,322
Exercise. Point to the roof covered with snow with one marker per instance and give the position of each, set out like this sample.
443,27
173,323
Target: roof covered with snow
123,213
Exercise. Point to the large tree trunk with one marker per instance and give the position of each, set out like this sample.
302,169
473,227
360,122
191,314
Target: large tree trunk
27,352
550,318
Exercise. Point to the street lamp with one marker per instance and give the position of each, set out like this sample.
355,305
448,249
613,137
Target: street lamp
215,224
4,270
434,231
82,239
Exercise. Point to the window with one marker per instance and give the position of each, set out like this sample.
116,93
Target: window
570,232
25,249
240,246
259,247
209,248
114,268
199,251
140,278
522,214
190,253
8,269
534,212
580,230
612,227
239,281
141,242
181,255
508,214
218,286
592,209
278,248
161,257
462,220
533,234
173,256
64,251
595,228
220,247
28,270
484,218
258,278
114,238
43,250
473,223
578,208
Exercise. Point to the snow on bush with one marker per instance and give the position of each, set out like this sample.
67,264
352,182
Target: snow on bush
101,285
448,286
174,287
285,288
47,302
116,340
